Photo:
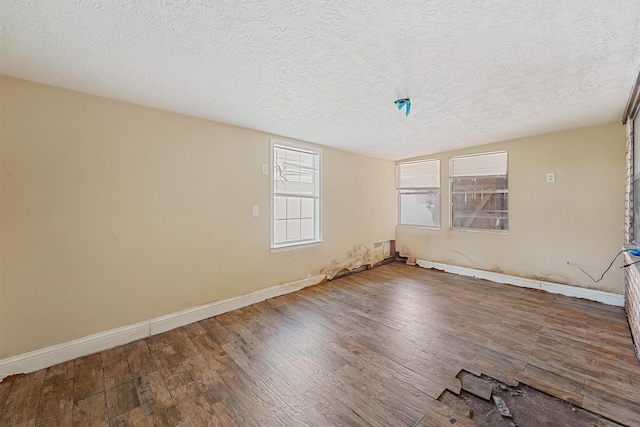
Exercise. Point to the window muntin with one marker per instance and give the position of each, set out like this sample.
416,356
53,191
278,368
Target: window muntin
479,192
295,195
418,185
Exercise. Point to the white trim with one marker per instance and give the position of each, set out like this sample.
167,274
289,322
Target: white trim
49,356
292,246
555,288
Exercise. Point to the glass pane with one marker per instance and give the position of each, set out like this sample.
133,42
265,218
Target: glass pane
307,229
279,231
476,206
308,208
420,209
280,208
293,207
293,229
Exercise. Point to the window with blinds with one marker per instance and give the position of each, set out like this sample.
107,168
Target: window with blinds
479,192
295,209
418,185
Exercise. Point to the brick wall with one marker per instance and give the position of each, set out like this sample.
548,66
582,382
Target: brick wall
632,299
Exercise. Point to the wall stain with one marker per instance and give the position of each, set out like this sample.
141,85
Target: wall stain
359,256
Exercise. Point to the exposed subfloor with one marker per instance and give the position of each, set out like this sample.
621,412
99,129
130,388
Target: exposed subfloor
527,407
375,348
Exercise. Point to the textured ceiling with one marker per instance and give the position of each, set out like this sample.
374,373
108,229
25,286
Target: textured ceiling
328,71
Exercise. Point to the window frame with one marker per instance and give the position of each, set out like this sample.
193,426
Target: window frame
420,190
496,191
277,247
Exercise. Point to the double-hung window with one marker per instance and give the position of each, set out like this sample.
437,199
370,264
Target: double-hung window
418,185
295,192
479,192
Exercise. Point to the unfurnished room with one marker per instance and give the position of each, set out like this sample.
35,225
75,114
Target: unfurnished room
313,213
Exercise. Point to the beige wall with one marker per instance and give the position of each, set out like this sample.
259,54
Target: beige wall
578,219
114,213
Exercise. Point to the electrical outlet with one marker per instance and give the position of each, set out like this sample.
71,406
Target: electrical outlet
551,177
255,210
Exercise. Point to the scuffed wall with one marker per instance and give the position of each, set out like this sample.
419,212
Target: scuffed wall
555,228
113,213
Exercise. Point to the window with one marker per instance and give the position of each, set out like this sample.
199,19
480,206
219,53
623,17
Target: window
295,184
479,192
419,193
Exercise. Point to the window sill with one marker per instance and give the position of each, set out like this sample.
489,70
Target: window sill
477,230
426,227
292,246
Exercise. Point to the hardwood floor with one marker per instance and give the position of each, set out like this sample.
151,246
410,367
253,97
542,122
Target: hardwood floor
375,348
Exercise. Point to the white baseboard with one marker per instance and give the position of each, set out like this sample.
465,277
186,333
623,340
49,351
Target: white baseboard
555,288
49,356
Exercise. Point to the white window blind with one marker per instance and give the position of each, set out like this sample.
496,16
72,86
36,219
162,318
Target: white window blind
421,174
295,171
489,164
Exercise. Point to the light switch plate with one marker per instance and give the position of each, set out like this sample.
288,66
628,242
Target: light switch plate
255,210
265,169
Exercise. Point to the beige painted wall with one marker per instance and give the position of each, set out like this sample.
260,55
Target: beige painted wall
578,219
114,213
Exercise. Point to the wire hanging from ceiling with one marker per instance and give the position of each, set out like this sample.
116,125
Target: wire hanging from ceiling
404,103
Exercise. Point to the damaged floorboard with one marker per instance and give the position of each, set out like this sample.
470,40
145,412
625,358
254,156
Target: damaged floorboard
374,348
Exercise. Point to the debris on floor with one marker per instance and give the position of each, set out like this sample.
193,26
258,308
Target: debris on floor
527,406
502,407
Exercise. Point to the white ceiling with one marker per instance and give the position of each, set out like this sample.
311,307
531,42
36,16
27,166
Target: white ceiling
328,72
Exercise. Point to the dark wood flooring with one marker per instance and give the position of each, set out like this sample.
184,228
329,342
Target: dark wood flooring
375,348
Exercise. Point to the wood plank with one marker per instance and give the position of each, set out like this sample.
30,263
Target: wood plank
194,329
5,389
621,414
122,398
113,356
23,399
475,385
139,358
90,411
333,409
359,403
61,372
88,377
402,404
550,387
407,376
116,374
64,420
152,393
132,418
193,406
224,415
56,399
439,371
440,415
